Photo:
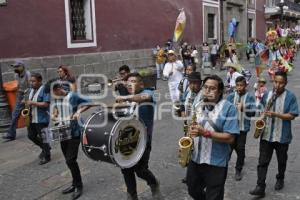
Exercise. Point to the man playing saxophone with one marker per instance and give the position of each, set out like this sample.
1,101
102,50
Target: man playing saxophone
245,104
193,95
278,133
38,102
216,127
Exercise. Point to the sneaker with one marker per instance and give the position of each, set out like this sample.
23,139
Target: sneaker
279,184
238,175
8,138
258,191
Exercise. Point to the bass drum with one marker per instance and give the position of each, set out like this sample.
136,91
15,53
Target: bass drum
117,140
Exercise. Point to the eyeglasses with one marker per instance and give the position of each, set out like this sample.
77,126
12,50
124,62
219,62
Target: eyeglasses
210,88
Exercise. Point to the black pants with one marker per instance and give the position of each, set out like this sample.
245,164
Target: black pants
206,182
141,170
213,58
35,135
265,155
239,147
70,151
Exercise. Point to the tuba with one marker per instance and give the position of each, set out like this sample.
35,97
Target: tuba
186,143
26,111
260,124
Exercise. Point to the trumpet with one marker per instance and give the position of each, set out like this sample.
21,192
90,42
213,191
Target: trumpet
260,124
26,111
110,82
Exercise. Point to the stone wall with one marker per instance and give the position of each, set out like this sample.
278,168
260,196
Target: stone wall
106,63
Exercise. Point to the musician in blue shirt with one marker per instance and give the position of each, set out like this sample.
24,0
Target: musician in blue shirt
245,104
145,99
38,103
67,109
277,134
215,130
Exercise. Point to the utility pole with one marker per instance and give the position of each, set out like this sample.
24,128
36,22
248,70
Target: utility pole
221,22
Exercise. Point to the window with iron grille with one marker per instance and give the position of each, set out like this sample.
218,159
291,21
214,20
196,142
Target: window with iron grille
211,25
77,20
80,23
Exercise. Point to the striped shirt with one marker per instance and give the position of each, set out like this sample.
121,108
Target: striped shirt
66,107
249,107
206,150
278,130
39,114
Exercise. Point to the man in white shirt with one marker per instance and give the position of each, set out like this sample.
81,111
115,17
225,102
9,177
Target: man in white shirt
173,71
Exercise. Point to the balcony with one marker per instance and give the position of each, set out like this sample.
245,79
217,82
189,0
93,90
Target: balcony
290,9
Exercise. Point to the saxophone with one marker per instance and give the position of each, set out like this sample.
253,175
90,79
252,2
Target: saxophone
260,124
26,111
186,142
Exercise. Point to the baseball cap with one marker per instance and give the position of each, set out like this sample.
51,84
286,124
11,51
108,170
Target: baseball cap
18,63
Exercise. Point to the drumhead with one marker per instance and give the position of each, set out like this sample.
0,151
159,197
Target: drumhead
127,142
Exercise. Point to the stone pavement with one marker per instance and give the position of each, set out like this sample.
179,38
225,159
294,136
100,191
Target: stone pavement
22,178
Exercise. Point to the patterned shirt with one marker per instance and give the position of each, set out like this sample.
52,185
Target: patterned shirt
66,107
249,107
278,130
206,150
39,114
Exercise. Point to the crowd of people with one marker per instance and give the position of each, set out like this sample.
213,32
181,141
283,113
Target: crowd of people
217,115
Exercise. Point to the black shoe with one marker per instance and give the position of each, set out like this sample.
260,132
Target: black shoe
183,180
258,191
238,175
68,190
132,197
41,155
8,138
44,161
155,191
77,193
279,184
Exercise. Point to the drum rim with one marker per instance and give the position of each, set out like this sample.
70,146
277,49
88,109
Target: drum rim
110,144
84,130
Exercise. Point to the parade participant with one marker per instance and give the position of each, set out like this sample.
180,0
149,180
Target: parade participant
232,74
173,71
160,58
38,103
205,53
23,78
146,102
66,111
120,85
245,105
66,79
186,54
232,28
192,96
278,134
260,89
214,53
215,130
183,86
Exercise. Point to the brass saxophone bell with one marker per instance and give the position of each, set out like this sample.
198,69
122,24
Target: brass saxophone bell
25,112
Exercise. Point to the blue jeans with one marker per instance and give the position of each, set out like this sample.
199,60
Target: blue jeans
159,69
15,116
